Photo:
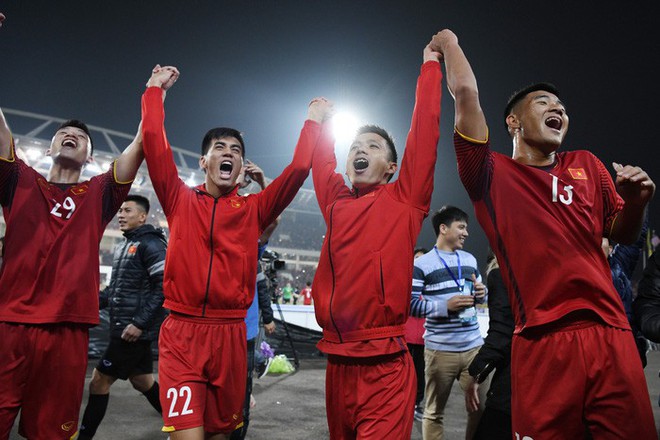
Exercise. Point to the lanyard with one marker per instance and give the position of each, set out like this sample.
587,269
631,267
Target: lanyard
458,257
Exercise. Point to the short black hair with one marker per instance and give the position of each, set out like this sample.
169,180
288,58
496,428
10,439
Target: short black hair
380,131
417,250
446,216
139,200
219,133
77,124
518,95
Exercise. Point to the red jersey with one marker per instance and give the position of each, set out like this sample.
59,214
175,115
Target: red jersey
362,285
307,296
50,271
545,225
209,267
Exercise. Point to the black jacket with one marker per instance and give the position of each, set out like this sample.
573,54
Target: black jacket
646,307
135,293
496,351
264,295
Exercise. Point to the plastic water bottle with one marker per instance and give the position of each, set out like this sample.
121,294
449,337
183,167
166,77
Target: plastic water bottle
468,315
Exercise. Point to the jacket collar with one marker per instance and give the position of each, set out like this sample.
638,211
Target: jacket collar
201,189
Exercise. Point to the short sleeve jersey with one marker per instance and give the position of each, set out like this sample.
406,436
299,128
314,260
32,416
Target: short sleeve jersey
50,271
545,225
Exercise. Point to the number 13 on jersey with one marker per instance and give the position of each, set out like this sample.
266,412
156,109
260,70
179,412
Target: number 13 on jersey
566,197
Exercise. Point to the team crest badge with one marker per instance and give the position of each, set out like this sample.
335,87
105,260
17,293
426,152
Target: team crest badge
132,249
578,173
68,425
79,189
236,203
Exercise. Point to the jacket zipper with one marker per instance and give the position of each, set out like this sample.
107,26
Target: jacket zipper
111,300
332,270
208,279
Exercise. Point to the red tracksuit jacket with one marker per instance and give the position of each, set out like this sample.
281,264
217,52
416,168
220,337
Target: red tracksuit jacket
362,285
210,265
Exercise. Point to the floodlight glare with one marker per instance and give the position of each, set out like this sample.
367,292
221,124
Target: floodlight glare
93,168
344,127
33,153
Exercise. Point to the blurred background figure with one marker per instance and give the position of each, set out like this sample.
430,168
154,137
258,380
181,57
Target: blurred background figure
495,354
623,260
415,342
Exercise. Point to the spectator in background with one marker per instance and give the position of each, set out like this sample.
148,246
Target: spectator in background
446,284
415,342
495,354
287,294
646,306
623,260
307,294
134,299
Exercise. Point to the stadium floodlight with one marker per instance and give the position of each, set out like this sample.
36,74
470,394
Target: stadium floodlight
345,125
33,153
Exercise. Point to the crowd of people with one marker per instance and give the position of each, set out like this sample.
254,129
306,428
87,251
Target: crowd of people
201,289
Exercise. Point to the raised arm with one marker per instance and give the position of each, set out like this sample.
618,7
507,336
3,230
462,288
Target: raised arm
328,184
462,84
129,160
415,182
157,151
281,191
473,154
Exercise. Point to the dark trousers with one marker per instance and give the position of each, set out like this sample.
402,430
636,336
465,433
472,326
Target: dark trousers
494,425
417,353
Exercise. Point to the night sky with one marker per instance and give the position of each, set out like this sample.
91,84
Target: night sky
254,65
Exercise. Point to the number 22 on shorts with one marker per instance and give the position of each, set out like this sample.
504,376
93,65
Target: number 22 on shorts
174,396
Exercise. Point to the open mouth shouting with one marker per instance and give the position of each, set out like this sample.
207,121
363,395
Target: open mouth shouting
360,164
70,143
554,122
226,167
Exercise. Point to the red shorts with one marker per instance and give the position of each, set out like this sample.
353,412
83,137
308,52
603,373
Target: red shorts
582,376
42,373
202,373
370,398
